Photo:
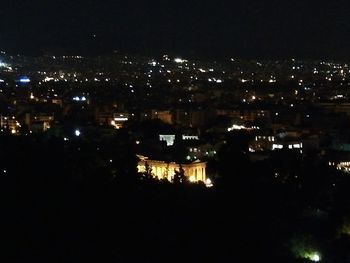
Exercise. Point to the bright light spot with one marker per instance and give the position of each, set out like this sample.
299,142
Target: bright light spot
77,133
192,179
242,127
208,183
315,257
277,146
121,119
180,60
24,80
48,79
169,139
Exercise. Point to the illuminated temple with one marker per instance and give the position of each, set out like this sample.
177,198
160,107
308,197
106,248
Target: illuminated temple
195,172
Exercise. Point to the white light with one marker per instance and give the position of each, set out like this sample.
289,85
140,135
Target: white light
169,139
180,60
47,79
121,119
24,80
242,127
208,183
315,257
277,146
77,133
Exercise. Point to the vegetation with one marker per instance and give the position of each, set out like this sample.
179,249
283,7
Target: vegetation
83,199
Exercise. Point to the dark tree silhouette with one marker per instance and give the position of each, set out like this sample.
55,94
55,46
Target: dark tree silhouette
179,176
148,174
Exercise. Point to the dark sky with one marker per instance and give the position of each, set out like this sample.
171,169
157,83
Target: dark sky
244,28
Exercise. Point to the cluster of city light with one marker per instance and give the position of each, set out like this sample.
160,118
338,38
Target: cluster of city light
242,127
72,57
290,146
77,98
215,80
180,60
48,79
341,166
269,138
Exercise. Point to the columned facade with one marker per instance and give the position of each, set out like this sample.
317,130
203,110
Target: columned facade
195,172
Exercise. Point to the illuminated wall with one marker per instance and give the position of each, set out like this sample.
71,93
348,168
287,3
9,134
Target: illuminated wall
196,171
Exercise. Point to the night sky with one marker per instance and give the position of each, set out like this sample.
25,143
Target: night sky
246,28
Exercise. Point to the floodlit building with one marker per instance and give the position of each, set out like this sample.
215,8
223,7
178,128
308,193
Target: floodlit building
164,116
39,122
195,171
9,123
119,119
